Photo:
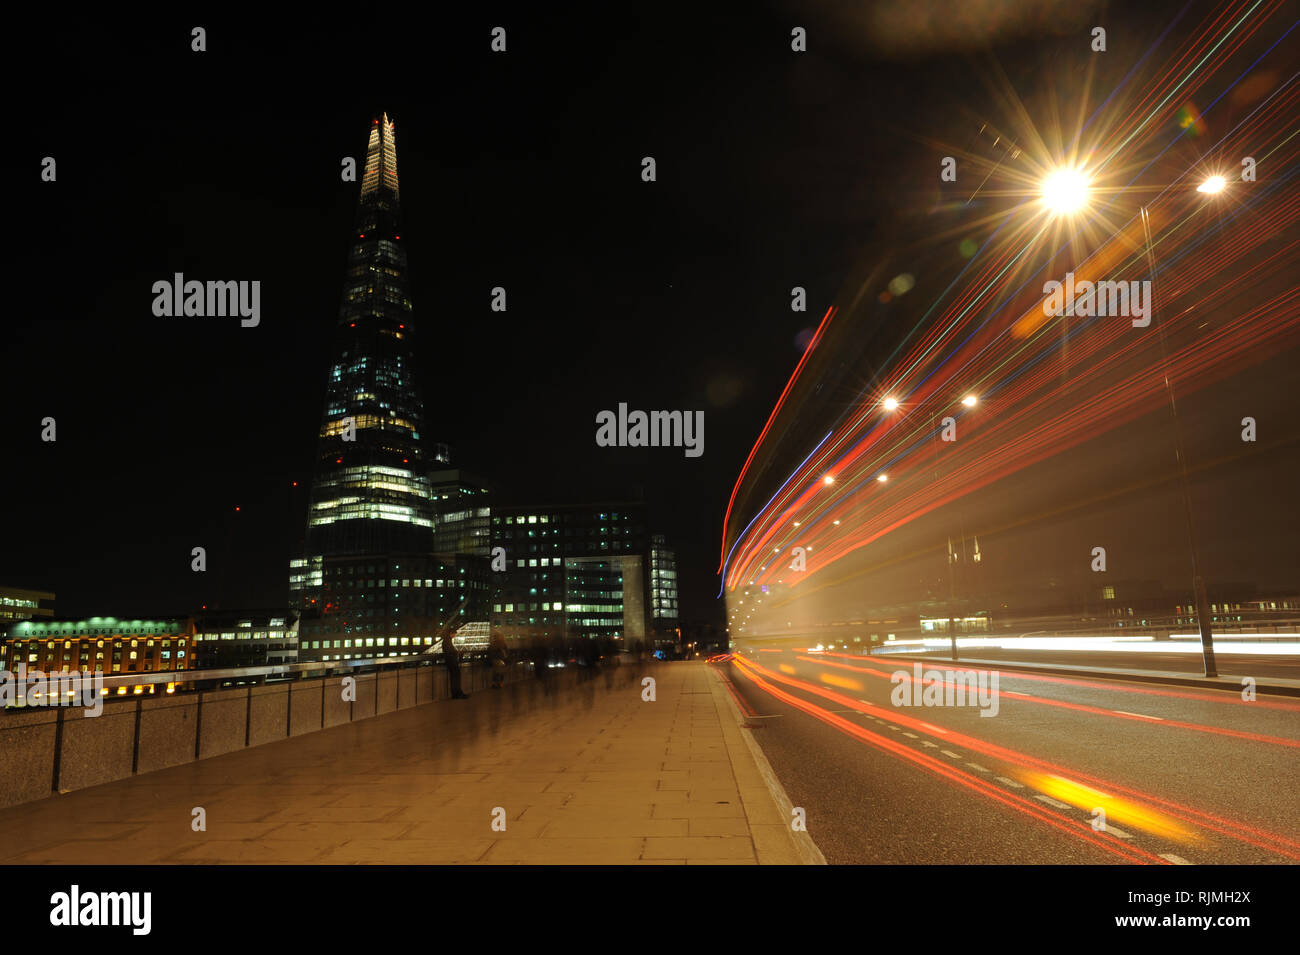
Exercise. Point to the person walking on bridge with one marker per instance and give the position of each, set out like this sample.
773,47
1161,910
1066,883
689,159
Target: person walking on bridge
498,655
451,656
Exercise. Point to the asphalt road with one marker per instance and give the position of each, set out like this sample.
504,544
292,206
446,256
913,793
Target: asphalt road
1182,775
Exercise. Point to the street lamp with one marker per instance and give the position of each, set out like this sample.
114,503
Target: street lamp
1065,191
1213,185
890,404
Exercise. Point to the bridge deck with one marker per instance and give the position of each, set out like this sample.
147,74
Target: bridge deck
588,774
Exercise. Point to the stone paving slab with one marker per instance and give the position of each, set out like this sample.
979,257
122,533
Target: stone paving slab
589,774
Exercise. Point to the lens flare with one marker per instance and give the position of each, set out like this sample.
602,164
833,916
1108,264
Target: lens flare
1065,191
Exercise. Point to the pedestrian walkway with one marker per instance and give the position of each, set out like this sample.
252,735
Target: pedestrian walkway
590,773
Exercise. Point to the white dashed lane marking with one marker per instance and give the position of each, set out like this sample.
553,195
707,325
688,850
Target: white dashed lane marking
1176,860
1112,830
1052,802
1141,716
1006,781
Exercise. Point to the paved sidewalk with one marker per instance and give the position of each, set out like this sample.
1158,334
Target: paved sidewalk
589,774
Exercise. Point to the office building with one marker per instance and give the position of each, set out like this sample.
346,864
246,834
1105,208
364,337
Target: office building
251,638
19,603
572,572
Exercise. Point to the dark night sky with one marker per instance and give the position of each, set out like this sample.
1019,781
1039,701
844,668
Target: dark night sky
520,170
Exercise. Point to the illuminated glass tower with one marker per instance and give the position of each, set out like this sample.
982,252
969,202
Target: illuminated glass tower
370,493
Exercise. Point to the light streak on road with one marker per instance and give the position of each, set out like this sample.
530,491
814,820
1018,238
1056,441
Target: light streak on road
1061,704
975,784
1024,762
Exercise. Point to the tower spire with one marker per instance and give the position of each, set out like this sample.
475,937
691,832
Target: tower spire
381,159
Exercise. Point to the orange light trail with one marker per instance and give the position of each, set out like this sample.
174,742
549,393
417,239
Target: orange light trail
1242,832
934,767
1037,398
1079,707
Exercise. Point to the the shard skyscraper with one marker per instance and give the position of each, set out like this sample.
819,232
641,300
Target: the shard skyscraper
370,494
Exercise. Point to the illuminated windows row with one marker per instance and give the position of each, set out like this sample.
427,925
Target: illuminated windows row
347,644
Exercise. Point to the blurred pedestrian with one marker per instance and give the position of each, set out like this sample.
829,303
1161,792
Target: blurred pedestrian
538,652
497,655
451,656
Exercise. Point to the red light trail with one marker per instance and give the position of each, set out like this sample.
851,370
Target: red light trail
1048,383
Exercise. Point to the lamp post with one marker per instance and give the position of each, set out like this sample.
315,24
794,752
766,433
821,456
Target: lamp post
1198,582
969,401
951,557
1065,192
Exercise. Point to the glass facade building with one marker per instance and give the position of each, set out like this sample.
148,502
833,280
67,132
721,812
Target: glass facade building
19,603
252,638
367,576
462,512
375,607
572,572
370,492
663,586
